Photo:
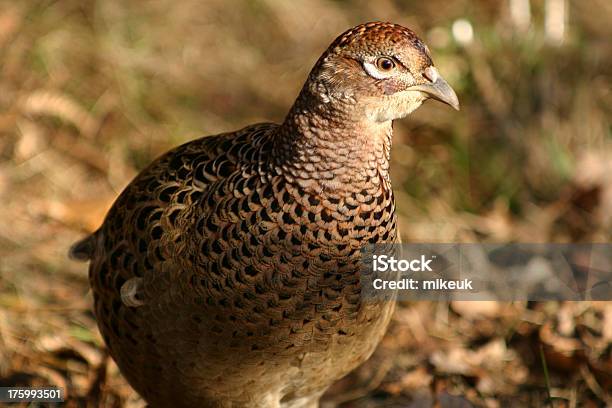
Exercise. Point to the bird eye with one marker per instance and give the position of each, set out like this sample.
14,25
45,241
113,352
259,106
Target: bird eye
385,64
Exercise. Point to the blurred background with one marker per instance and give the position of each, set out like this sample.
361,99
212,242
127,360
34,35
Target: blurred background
92,91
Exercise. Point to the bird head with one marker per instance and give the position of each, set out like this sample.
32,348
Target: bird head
382,69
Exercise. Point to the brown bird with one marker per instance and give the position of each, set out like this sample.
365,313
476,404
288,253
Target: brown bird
227,273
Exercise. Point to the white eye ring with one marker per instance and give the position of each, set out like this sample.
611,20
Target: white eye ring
374,72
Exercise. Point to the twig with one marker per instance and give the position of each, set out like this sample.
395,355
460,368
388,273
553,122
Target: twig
592,383
546,377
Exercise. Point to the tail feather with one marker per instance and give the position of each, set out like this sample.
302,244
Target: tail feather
83,250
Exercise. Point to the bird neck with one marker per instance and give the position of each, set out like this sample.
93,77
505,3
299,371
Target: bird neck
322,146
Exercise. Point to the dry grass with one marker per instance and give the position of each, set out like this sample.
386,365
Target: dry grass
90,91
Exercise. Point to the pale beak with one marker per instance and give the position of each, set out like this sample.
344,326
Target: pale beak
439,89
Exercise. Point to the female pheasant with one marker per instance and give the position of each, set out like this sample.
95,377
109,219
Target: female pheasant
227,272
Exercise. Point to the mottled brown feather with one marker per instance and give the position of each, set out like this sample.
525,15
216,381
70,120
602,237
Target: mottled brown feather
227,272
